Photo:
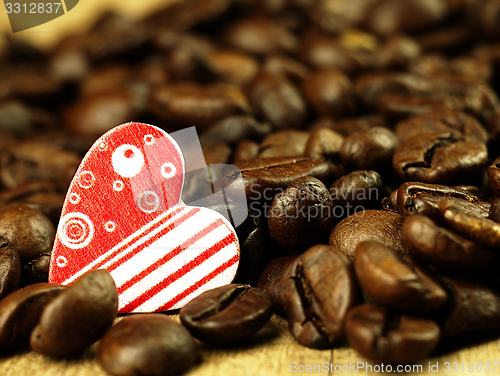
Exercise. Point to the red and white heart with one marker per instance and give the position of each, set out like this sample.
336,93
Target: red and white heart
123,212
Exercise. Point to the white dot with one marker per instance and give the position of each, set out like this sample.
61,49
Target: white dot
118,185
149,139
110,226
75,230
168,170
148,201
127,160
74,198
86,179
102,146
61,261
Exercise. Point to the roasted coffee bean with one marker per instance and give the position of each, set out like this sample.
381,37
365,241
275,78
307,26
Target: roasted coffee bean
232,67
263,178
20,312
323,51
34,161
227,314
423,198
234,129
383,337
397,280
277,100
446,158
269,279
335,17
290,143
97,114
36,271
260,36
474,306
359,188
368,225
286,67
78,317
495,211
306,205
147,345
440,121
371,149
246,150
196,105
27,231
318,289
397,52
330,92
348,126
494,176
391,16
470,225
325,144
216,153
444,248
10,270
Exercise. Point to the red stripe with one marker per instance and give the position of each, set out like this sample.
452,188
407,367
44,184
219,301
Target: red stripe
198,284
231,238
174,252
163,232
137,237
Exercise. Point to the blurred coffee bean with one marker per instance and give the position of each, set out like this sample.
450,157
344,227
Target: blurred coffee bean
486,16
397,52
20,312
149,344
444,248
393,16
26,231
106,79
441,121
359,188
69,61
263,178
94,115
277,100
31,86
305,205
385,337
216,153
324,144
339,15
474,306
289,143
232,67
234,129
78,317
446,38
16,118
397,280
323,51
227,314
10,269
318,289
330,93
368,225
246,150
269,279
33,161
284,66
370,149
446,158
346,127
495,211
260,36
494,176
196,105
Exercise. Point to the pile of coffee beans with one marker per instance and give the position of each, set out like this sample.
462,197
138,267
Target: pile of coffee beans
367,133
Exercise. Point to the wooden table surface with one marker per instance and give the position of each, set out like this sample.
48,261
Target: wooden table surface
271,351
